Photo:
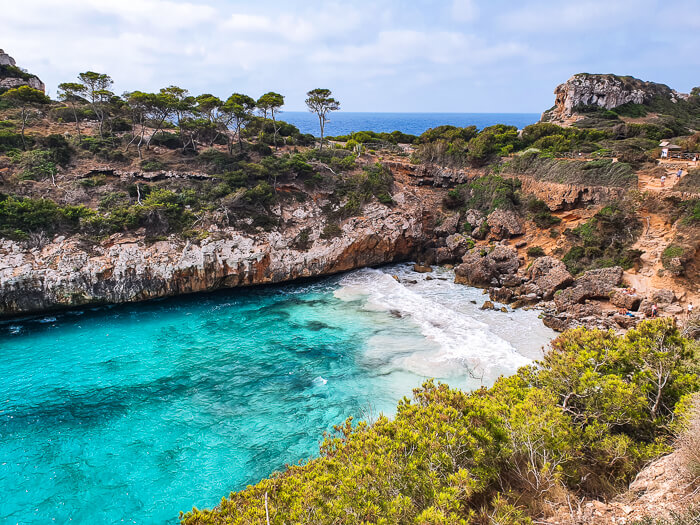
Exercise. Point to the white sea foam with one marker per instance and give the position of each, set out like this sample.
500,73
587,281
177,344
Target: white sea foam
457,341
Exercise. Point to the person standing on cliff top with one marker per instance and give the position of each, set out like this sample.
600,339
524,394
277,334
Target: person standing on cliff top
679,173
689,310
654,311
663,180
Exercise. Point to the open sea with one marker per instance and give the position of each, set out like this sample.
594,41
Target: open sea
343,123
132,413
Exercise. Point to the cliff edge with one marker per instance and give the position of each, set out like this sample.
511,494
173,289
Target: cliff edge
12,76
604,91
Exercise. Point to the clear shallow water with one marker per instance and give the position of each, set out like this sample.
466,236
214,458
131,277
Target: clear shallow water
133,413
342,123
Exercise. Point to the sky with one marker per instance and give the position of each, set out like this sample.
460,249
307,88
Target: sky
381,55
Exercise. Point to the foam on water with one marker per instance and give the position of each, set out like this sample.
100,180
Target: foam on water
133,413
455,340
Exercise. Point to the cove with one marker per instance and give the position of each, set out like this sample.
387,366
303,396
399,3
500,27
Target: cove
135,412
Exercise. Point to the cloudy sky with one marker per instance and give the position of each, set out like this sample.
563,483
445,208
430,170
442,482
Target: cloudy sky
381,55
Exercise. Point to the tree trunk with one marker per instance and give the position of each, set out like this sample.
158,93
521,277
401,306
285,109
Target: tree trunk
77,124
24,123
321,123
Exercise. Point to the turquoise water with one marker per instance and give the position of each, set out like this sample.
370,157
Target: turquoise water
133,413
342,123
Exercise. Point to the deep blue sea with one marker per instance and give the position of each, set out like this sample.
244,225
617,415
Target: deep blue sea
342,123
133,413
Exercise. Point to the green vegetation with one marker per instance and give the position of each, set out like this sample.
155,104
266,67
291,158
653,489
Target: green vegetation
485,194
535,251
604,240
540,214
585,420
601,172
21,216
672,251
321,102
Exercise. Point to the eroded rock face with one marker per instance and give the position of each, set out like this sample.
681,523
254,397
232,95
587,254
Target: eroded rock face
550,275
484,269
594,284
604,91
125,269
10,81
504,224
624,299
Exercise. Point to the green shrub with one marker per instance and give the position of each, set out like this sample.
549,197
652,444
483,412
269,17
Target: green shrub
36,165
153,165
671,252
535,251
540,214
166,140
331,230
604,240
20,216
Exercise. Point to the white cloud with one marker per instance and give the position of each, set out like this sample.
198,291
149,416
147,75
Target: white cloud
379,55
464,10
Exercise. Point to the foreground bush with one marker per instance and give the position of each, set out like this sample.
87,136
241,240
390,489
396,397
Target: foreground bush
586,418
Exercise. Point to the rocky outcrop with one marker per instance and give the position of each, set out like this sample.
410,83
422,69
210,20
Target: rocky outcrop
487,268
549,275
604,91
11,76
65,273
504,224
568,196
624,298
594,284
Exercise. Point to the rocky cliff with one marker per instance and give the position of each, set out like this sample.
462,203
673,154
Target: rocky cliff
66,272
603,91
11,76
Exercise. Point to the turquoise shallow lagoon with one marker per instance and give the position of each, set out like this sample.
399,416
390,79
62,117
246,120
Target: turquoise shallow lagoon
132,413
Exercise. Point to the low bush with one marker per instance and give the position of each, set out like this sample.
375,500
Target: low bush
604,240
535,251
331,230
540,214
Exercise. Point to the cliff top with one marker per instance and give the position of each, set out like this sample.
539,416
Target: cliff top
585,94
12,76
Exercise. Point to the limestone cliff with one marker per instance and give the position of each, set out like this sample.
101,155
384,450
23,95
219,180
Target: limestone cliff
604,91
66,272
11,76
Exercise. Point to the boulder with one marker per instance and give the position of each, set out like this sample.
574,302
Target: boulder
456,245
448,225
475,219
625,321
501,295
504,224
663,299
488,305
525,300
558,323
475,270
594,284
420,268
550,275
482,268
622,298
